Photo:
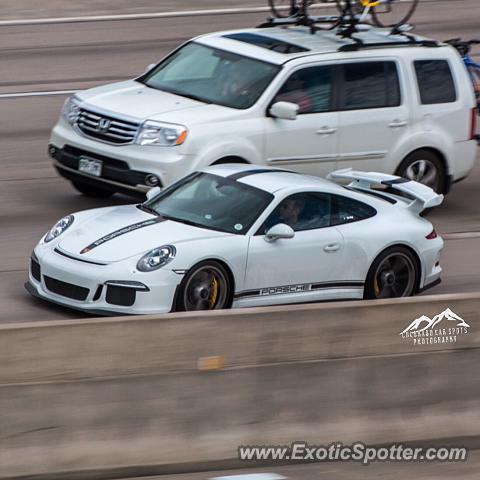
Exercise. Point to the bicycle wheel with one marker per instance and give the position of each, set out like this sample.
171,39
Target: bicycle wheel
284,8
391,13
316,8
355,5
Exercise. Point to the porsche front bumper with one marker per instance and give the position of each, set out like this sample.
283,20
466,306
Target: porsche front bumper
113,289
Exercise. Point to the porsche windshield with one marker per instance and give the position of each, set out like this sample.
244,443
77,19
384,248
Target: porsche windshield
213,202
212,76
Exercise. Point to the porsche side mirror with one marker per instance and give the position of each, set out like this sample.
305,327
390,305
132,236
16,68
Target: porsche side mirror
153,192
150,67
281,230
284,110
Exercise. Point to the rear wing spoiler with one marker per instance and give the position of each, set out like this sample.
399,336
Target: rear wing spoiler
423,196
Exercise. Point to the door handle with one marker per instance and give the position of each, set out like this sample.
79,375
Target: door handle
326,131
397,123
332,247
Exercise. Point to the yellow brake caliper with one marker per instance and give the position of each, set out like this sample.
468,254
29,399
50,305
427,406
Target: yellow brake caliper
214,294
369,3
376,288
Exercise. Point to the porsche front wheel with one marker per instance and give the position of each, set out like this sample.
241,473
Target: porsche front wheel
206,286
393,274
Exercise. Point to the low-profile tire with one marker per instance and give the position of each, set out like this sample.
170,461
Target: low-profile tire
425,167
394,273
206,286
91,191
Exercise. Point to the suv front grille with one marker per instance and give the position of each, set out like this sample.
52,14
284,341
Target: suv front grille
107,128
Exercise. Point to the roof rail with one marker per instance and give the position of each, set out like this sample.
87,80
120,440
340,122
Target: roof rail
358,45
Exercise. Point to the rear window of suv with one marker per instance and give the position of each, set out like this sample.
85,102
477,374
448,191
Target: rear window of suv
370,85
435,82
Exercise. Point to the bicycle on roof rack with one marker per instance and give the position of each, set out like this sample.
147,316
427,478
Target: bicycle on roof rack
384,13
464,47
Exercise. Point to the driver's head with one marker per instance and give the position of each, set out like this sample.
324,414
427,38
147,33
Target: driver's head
290,209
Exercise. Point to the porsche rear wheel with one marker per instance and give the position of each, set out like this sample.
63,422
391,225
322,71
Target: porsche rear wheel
206,286
393,274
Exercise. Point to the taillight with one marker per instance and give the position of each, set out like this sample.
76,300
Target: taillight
432,235
473,124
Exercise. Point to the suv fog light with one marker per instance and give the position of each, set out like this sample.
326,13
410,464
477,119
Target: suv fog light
152,180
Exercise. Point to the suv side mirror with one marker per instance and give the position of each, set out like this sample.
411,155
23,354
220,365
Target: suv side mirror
284,110
153,192
281,230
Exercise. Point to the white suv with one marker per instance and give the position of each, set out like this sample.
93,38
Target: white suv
275,96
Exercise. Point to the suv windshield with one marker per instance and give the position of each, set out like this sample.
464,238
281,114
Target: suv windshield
212,76
213,202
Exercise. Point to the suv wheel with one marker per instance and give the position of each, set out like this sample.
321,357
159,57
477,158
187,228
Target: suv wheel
91,191
425,167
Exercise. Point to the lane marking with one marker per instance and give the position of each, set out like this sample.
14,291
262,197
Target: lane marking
461,235
38,94
153,15
133,16
252,476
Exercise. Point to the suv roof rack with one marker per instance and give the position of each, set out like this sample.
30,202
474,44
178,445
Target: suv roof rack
299,20
359,45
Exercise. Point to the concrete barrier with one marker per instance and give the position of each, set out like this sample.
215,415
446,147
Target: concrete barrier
101,395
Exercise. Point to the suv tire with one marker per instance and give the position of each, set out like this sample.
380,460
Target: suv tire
425,167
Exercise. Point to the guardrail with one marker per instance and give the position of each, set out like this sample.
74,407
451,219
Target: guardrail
164,392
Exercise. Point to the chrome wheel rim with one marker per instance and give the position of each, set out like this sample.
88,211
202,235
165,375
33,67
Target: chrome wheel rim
394,277
206,289
423,171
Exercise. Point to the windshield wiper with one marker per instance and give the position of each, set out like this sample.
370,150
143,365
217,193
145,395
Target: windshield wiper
147,209
183,94
181,220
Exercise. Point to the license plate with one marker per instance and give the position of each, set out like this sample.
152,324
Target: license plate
90,166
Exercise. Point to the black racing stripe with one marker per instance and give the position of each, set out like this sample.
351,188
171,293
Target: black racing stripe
121,231
301,288
395,182
320,286
247,293
247,173
56,250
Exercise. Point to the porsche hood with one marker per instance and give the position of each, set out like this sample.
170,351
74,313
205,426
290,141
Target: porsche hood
122,232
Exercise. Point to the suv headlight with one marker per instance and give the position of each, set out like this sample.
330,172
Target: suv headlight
156,258
59,228
71,110
161,134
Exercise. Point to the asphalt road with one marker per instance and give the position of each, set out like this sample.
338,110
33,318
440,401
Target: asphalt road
73,56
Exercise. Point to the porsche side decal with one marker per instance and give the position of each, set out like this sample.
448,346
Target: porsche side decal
121,231
303,287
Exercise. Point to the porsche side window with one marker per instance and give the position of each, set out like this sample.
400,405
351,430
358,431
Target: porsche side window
302,211
347,210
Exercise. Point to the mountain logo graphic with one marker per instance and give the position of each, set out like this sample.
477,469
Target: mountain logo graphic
425,323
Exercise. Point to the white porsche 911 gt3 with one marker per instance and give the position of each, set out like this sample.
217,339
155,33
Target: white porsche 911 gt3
241,236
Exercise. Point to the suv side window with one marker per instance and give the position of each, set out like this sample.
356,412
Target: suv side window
369,85
310,88
348,210
435,82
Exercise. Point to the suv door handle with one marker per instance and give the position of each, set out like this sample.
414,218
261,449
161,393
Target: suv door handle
332,247
326,131
397,123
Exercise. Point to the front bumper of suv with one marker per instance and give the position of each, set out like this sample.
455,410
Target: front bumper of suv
127,169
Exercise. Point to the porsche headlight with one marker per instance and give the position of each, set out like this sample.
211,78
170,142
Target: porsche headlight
161,134
156,258
59,228
71,110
